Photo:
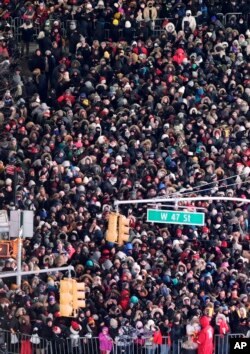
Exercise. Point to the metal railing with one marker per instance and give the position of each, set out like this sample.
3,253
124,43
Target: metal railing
222,343
121,345
156,30
18,343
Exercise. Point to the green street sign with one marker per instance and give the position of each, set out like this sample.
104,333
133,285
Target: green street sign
175,217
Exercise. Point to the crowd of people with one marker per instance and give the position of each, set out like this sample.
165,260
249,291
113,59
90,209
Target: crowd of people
117,105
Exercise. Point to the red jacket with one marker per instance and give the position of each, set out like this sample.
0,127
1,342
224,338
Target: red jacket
124,300
179,56
157,337
223,328
206,336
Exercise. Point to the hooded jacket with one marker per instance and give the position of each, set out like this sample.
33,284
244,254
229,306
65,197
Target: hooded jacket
205,338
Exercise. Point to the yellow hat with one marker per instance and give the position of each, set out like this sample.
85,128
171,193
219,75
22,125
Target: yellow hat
115,22
106,54
85,102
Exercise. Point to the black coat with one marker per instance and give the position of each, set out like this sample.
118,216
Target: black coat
44,44
37,61
46,333
176,333
27,33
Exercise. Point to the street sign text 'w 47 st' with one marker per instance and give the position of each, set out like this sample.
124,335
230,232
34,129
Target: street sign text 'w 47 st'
175,217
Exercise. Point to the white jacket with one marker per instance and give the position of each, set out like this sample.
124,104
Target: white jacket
192,22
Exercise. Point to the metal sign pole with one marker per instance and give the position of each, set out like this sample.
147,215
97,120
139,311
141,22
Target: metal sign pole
19,257
177,199
19,262
32,272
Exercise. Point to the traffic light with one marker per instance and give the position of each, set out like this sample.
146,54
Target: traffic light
72,296
78,296
111,235
66,297
14,245
4,249
123,230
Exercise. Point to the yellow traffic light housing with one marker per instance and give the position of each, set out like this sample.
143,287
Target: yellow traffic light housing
111,235
9,248
4,249
66,297
72,297
14,245
78,296
123,230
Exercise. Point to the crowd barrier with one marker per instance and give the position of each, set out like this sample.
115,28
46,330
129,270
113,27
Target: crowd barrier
23,344
222,343
156,27
19,343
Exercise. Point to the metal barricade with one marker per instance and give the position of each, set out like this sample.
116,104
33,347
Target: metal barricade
221,17
222,343
157,28
16,343
228,16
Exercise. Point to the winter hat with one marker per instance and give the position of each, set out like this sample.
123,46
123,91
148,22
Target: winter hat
139,325
56,330
127,24
113,323
150,324
91,320
75,326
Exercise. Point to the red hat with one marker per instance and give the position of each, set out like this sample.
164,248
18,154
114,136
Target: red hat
102,78
205,229
75,326
22,130
56,330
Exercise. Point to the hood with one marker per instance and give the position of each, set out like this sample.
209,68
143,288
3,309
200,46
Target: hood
204,321
180,51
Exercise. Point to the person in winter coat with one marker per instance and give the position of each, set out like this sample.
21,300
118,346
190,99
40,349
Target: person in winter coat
74,336
106,342
44,41
206,337
58,340
179,56
27,34
150,12
157,338
188,22
37,61
26,329
176,334
17,81
41,82
221,328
